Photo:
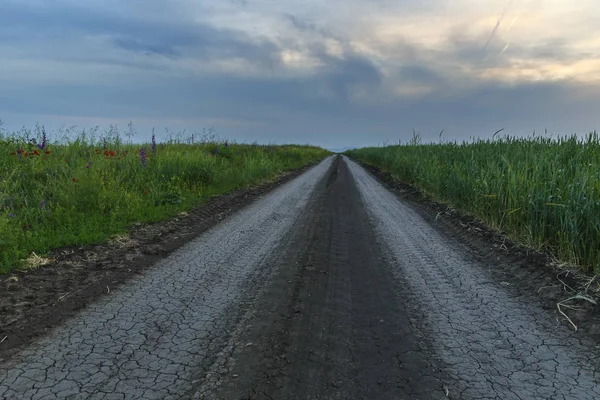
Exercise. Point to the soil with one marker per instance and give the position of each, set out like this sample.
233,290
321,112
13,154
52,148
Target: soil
341,318
331,323
34,301
330,287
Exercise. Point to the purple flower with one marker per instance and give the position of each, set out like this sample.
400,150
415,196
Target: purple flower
11,215
143,157
88,165
43,145
153,142
42,204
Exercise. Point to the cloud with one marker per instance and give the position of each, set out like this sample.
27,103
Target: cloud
351,72
131,44
170,37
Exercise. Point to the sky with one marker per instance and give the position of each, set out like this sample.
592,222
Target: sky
336,73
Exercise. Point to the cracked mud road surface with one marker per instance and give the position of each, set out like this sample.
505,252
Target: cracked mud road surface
329,287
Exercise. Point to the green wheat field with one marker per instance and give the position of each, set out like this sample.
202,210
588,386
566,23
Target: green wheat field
542,192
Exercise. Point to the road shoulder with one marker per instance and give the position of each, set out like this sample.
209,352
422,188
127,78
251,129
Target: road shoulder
34,301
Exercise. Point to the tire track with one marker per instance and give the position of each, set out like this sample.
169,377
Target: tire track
329,287
151,339
332,323
496,346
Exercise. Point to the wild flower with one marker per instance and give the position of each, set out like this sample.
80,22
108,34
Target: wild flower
143,156
226,143
11,215
153,142
35,152
47,152
88,165
42,204
42,146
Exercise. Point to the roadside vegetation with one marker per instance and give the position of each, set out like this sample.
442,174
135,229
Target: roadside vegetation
81,190
541,192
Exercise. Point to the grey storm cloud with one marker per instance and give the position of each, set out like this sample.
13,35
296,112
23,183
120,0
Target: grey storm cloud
169,37
152,67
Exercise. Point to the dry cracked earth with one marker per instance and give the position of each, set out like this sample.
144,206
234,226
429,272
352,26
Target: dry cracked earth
328,287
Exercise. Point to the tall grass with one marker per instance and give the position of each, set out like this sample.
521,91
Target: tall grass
81,191
545,193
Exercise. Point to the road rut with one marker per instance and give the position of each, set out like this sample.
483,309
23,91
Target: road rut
149,340
495,346
330,287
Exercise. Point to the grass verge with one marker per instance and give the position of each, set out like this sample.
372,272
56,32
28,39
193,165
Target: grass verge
543,193
82,191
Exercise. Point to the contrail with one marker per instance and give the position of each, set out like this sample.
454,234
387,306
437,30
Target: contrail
493,34
504,49
514,20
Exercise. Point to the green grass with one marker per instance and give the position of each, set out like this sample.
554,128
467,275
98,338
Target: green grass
544,193
77,192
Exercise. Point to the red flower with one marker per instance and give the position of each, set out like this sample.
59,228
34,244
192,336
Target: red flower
27,154
12,153
36,153
106,153
97,151
47,151
112,153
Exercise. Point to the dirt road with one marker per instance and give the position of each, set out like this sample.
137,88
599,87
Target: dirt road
329,287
